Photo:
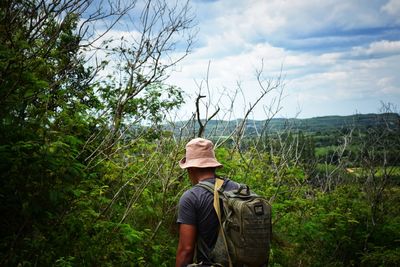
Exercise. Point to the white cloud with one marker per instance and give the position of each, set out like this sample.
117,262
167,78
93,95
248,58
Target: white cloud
295,18
380,48
329,79
385,46
392,7
386,85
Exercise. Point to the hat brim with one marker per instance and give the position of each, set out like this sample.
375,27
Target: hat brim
199,163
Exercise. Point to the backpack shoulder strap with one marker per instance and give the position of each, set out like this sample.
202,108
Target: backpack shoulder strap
210,186
215,188
218,184
206,185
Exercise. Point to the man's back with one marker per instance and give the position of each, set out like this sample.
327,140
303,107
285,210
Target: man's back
196,208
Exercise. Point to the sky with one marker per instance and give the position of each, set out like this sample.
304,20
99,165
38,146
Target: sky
334,57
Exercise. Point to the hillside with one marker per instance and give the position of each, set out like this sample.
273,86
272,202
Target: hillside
309,125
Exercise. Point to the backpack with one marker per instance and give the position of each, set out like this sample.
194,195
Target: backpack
246,229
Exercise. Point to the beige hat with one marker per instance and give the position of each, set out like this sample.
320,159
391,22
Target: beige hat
199,154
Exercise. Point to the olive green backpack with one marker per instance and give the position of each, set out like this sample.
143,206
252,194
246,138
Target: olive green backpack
245,233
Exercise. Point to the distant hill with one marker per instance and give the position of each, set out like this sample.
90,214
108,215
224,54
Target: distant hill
311,125
329,123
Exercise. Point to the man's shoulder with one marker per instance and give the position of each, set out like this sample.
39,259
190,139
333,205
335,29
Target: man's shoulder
198,191
188,194
192,194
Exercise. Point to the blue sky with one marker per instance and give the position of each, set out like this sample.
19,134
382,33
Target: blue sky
337,57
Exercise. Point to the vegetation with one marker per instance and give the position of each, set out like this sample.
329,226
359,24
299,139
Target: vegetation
89,173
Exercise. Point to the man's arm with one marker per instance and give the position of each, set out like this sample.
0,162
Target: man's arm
186,246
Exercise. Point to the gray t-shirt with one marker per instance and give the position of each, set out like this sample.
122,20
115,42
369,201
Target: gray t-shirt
196,208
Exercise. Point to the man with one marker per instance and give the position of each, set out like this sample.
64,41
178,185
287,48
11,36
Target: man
197,219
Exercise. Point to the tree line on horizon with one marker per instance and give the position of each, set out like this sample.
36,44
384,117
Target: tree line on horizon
314,125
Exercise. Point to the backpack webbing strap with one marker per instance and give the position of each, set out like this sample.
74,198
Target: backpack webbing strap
218,185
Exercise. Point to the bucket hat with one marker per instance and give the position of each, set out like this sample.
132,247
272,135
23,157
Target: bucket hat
199,154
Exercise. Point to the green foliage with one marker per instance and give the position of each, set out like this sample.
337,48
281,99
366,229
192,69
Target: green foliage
344,226
57,198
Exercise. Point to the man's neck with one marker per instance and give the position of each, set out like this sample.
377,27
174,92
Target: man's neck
205,177
201,176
